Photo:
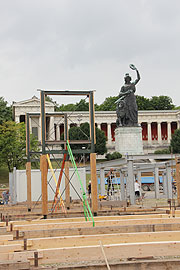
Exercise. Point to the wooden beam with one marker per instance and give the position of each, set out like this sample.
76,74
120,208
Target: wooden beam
94,184
44,170
28,174
93,253
98,230
67,190
6,237
10,248
11,265
101,223
81,219
90,240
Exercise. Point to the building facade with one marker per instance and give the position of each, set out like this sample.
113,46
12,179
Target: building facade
157,126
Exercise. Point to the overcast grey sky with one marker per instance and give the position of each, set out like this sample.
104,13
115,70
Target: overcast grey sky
89,44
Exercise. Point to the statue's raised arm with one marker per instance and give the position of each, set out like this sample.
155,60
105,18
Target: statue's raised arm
137,72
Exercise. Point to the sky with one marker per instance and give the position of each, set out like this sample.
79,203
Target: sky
88,45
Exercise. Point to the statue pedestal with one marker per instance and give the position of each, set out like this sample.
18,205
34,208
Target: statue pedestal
128,140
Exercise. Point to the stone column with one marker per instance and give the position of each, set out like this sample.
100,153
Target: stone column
169,181
130,181
51,129
122,186
178,124
169,131
17,119
30,125
149,133
109,133
159,133
57,132
39,129
99,126
102,182
68,127
156,182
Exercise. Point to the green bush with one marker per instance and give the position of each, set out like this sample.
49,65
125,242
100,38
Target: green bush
163,151
114,155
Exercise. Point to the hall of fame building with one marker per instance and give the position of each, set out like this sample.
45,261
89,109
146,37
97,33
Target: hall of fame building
157,126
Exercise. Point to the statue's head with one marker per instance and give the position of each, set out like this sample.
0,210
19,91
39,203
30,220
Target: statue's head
127,78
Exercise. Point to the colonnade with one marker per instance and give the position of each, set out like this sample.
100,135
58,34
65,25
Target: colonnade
152,132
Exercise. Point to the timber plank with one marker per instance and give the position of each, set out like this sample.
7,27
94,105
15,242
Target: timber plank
80,219
11,265
98,230
116,251
97,223
106,239
10,248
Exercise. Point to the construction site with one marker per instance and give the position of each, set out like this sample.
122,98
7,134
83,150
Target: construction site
54,223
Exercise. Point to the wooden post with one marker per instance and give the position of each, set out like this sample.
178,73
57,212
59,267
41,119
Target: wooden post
130,181
44,170
94,184
156,182
67,191
178,179
28,174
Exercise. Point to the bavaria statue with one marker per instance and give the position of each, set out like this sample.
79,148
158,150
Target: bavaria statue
127,111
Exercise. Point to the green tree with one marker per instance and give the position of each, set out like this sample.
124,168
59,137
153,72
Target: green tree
5,111
161,103
83,133
108,104
67,107
143,103
175,142
82,105
13,144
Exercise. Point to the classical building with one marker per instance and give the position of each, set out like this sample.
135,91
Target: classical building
157,126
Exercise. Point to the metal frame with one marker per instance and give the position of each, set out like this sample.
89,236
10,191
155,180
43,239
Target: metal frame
43,114
87,93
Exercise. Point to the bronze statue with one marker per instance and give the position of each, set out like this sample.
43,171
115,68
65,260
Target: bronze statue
127,111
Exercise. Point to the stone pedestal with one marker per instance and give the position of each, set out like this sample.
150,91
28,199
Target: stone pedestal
128,140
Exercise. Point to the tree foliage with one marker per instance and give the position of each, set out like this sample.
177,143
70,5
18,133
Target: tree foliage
162,103
13,144
83,133
108,104
5,111
175,142
154,103
82,105
114,155
143,103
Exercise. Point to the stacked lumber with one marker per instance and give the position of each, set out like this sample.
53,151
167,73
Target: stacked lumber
71,240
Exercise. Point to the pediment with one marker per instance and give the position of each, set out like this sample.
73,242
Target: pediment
34,101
